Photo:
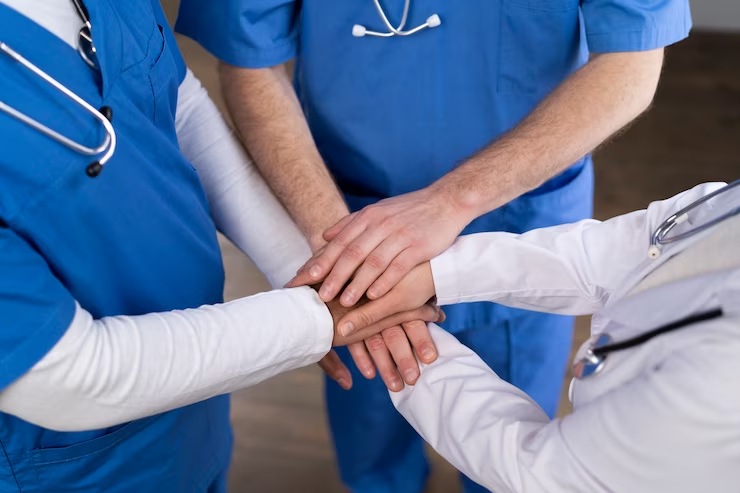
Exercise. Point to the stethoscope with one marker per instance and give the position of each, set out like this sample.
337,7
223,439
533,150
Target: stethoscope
359,31
601,345
658,237
87,51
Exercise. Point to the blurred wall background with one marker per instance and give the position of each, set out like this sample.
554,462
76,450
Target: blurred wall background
718,15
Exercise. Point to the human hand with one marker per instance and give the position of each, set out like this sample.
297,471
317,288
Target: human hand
391,350
414,291
381,244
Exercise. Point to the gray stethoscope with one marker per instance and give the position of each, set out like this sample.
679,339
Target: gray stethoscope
359,31
601,345
88,53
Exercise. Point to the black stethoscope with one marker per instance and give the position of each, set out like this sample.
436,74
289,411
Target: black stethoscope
88,53
601,345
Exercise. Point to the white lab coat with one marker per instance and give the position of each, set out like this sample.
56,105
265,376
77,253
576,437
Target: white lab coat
661,417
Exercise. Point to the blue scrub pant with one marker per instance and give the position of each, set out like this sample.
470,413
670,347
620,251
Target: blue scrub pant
379,452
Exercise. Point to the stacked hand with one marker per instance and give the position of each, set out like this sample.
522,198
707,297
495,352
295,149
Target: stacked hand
386,248
392,343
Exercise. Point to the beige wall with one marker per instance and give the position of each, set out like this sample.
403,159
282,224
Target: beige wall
719,15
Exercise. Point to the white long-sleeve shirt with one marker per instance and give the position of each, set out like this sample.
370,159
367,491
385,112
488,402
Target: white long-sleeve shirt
116,369
663,416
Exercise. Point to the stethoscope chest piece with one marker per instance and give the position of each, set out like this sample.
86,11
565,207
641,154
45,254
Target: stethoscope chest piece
588,362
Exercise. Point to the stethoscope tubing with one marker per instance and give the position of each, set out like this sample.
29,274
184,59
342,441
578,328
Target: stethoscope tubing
109,142
642,338
658,237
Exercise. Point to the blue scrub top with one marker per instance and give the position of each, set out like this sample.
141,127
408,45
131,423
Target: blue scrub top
392,115
139,238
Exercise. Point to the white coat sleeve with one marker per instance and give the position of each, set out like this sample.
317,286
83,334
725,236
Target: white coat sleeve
117,369
635,438
569,269
242,205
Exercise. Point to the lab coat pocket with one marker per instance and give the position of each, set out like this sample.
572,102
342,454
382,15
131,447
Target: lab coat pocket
76,467
539,43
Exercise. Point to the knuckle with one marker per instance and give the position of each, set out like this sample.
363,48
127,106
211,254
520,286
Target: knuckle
394,335
342,239
353,252
397,267
375,261
365,318
375,343
389,223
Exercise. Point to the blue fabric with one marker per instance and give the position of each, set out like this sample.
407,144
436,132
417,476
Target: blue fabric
392,115
379,452
136,239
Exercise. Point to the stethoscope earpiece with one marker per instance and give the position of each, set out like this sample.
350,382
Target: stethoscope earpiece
93,169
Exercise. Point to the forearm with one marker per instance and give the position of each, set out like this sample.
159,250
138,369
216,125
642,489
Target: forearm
487,428
242,205
595,102
268,116
570,269
116,369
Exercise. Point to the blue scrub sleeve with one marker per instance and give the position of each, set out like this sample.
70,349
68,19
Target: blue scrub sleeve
634,25
35,308
245,33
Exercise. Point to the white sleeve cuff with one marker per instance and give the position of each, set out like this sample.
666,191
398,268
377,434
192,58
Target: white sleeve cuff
445,273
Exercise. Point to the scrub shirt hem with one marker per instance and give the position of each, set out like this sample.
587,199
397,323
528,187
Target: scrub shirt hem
35,347
637,40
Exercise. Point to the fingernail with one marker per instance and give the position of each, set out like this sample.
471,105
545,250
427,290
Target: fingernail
428,354
395,385
410,375
324,292
372,293
347,329
368,372
348,298
342,382
314,272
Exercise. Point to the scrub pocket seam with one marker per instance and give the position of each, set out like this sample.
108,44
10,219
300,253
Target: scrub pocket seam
128,430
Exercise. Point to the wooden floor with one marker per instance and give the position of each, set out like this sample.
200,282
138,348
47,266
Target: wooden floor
691,135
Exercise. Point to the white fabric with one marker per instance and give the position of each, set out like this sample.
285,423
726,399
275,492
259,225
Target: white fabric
711,255
56,16
243,206
116,369
664,416
571,269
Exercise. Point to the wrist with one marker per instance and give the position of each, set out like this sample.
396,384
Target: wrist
462,203
316,242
